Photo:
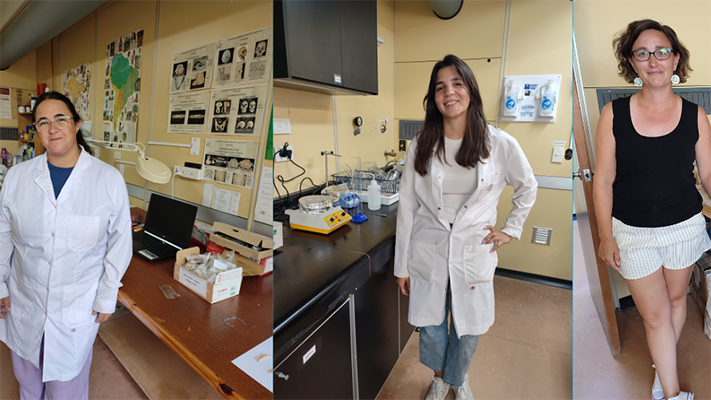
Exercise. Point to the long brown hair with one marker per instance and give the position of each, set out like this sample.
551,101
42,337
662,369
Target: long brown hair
475,144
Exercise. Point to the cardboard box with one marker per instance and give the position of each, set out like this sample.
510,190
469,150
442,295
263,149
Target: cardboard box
700,277
242,241
227,284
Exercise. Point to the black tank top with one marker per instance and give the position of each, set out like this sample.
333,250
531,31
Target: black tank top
655,184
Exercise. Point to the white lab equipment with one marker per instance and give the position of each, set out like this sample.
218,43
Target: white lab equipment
548,98
374,195
512,99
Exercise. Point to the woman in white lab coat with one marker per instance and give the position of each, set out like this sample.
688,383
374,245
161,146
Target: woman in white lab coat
65,243
446,243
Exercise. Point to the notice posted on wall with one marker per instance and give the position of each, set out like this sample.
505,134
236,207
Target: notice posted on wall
264,209
192,69
231,162
122,84
5,103
187,112
226,201
246,58
237,111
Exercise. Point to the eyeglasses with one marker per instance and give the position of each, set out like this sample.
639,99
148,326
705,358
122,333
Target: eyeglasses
659,54
61,122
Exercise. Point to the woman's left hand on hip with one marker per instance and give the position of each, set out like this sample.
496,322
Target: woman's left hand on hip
102,317
499,238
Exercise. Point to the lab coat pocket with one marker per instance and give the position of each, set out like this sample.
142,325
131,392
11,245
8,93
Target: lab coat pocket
421,258
83,232
479,263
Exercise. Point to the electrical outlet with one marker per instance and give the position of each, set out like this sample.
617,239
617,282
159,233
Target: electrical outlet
189,173
283,157
195,146
117,155
282,126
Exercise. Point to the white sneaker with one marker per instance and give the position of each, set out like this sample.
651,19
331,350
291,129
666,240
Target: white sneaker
683,396
657,391
463,392
438,390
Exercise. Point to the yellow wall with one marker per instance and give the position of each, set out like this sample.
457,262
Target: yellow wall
181,25
20,75
596,26
539,43
312,120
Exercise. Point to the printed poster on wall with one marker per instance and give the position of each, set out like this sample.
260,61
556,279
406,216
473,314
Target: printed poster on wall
122,84
187,112
230,161
237,111
192,69
246,58
77,83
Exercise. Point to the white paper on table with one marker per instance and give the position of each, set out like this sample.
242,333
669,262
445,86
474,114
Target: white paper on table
259,370
226,201
207,194
265,197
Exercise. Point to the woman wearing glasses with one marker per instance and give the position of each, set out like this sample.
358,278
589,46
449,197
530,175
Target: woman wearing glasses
65,242
648,209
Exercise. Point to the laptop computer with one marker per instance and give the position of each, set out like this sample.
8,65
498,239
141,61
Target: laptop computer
168,227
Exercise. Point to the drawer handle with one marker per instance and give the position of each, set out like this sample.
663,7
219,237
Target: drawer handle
282,375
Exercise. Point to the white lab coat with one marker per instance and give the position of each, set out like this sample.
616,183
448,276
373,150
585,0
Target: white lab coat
60,259
428,251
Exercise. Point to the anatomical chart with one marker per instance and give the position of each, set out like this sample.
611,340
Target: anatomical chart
237,111
246,58
192,69
231,162
187,112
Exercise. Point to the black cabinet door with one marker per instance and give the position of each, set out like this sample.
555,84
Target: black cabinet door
313,40
359,36
376,310
320,368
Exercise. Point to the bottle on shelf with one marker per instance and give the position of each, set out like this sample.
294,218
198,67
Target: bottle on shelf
4,156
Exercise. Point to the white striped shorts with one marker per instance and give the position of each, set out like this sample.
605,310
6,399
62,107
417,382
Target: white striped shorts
645,250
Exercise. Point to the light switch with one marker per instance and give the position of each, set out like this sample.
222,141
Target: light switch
558,155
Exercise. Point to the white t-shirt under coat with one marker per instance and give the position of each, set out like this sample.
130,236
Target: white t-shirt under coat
459,182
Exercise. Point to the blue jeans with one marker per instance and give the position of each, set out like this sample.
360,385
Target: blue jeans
444,351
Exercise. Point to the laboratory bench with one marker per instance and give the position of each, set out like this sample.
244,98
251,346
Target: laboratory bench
195,329
340,321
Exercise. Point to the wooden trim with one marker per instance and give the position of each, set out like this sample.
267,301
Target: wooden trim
598,278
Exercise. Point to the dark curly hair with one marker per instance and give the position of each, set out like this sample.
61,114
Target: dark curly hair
624,40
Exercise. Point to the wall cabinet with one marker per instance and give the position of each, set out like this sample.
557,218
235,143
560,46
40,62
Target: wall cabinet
327,44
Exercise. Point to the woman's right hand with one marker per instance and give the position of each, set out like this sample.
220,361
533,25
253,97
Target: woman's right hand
404,284
610,253
4,307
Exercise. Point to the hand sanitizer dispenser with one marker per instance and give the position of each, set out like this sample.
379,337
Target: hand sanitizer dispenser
548,99
512,99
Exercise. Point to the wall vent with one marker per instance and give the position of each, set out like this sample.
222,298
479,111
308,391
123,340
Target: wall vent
699,96
9,133
408,129
542,235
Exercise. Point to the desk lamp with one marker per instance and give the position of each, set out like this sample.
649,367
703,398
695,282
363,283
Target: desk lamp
149,168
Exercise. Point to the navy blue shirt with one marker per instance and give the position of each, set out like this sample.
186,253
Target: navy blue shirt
59,177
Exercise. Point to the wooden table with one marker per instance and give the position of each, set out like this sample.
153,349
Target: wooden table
196,331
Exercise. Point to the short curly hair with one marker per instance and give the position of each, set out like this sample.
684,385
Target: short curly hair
624,40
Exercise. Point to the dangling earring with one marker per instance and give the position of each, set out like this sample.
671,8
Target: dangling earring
675,79
638,81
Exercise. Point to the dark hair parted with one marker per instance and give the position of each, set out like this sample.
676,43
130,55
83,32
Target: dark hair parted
72,110
624,40
475,144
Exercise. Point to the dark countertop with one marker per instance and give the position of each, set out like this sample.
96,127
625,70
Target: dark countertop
310,264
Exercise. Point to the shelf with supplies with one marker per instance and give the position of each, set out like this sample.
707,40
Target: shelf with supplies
24,120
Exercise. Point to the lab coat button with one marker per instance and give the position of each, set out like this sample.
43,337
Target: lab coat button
465,206
74,329
439,208
472,288
52,234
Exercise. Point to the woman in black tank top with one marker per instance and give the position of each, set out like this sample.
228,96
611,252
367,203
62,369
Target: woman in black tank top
644,188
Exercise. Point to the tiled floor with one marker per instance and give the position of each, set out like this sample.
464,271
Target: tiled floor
527,354
598,375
